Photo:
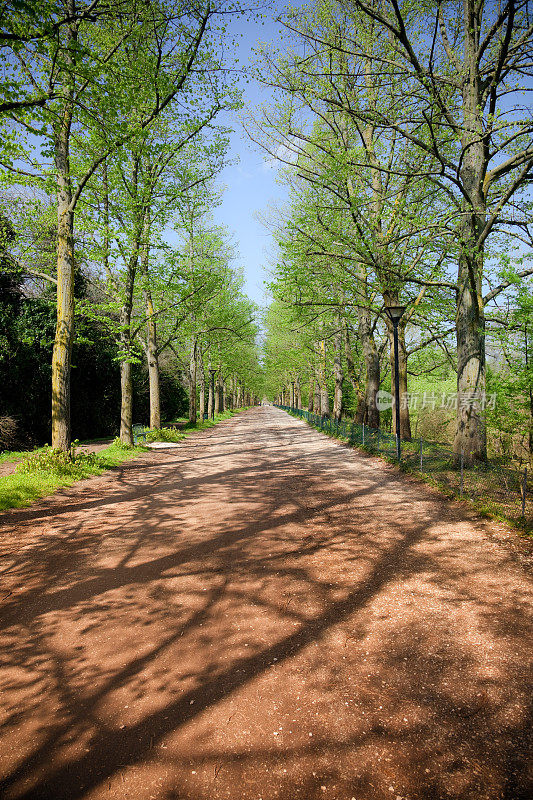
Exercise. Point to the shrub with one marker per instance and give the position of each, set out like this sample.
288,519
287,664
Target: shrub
122,445
164,435
8,432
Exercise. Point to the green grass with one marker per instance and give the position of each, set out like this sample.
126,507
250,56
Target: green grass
16,455
208,423
20,489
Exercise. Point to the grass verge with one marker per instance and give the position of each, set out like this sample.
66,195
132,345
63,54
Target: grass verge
207,423
39,474
16,455
21,488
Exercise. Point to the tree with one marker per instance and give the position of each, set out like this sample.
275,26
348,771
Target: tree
466,114
374,211
112,76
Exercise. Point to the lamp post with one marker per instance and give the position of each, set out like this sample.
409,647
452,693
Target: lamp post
212,391
395,313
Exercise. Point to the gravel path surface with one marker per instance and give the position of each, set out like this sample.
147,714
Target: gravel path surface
260,614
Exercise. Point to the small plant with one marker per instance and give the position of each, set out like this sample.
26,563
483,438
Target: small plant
164,435
122,445
58,462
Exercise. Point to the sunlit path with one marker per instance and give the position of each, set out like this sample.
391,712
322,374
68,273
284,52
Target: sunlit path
259,613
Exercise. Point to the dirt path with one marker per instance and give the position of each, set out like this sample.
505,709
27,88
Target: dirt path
259,614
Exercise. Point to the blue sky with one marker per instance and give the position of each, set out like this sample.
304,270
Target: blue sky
251,186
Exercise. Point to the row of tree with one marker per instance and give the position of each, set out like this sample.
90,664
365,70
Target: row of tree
110,148
405,135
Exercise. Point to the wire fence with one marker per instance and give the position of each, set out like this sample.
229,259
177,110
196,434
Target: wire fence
498,489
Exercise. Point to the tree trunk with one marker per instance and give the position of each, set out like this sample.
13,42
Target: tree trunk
126,403
64,335
405,419
470,434
370,415
324,396
217,393
339,378
201,372
192,383
211,398
126,413
298,392
311,393
152,355
316,393
154,383
126,385
352,377
527,362
470,327
228,394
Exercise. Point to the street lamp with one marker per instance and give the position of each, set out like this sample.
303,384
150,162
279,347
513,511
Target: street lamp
395,313
212,392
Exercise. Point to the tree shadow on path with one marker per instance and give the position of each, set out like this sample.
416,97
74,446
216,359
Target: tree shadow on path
300,625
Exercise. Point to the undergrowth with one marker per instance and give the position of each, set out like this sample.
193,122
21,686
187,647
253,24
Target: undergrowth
60,463
164,435
44,471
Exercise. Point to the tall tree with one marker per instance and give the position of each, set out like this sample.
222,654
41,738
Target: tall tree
113,76
467,114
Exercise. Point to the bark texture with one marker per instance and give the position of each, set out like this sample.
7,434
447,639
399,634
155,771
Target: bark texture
126,385
405,419
64,334
311,394
192,383
338,375
324,395
150,348
470,318
370,411
201,374
211,394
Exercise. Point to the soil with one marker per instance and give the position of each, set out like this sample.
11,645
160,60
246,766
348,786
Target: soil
261,614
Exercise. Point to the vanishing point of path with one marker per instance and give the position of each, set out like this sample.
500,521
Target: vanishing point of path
260,614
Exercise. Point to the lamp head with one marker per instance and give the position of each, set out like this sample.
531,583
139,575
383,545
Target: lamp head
395,313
